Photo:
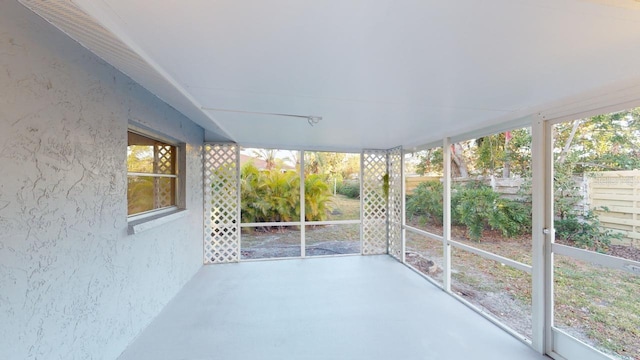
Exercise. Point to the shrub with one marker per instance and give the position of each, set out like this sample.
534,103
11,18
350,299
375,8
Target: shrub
317,195
474,207
426,201
585,231
478,207
274,196
511,217
350,189
571,224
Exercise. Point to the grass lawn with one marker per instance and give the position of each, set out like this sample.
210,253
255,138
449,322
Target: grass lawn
343,208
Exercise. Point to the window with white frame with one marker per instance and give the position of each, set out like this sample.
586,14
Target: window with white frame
152,174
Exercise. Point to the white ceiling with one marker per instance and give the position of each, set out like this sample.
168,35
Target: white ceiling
381,73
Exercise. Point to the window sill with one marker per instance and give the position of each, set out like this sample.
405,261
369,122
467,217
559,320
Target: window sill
138,226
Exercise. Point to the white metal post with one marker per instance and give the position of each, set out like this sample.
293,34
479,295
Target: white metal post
238,201
303,241
361,203
538,203
403,202
542,234
549,237
446,214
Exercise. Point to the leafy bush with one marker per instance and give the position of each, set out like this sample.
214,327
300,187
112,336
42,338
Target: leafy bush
426,201
478,207
585,231
350,189
512,218
317,196
274,196
474,205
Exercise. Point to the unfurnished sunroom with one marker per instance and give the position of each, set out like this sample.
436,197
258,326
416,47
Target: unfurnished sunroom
427,179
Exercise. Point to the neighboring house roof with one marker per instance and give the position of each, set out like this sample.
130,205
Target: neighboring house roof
261,164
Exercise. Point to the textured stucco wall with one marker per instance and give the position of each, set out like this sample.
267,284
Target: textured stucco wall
73,284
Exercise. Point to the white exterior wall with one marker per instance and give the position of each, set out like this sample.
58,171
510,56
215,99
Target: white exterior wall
73,284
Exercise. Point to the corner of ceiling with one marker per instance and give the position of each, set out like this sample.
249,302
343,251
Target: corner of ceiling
90,25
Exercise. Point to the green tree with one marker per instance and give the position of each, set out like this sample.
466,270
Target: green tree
268,155
600,143
430,162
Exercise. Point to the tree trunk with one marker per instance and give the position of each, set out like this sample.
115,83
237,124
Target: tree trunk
567,144
457,160
506,169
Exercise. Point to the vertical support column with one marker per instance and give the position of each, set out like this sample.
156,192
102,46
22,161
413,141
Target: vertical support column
542,235
238,204
221,203
303,227
446,214
394,200
404,210
549,238
538,224
361,178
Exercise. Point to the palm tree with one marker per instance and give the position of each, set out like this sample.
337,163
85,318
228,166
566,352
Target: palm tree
268,155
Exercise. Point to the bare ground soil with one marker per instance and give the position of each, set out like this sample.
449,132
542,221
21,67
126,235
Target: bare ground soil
285,242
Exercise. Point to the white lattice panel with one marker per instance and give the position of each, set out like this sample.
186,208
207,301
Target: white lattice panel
163,163
394,159
222,212
374,202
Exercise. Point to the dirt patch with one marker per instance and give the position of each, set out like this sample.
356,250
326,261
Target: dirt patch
624,251
285,242
422,264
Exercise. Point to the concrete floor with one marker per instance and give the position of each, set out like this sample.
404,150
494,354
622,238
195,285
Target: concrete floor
356,307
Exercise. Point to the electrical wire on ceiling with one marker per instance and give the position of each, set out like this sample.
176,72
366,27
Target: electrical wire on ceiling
311,119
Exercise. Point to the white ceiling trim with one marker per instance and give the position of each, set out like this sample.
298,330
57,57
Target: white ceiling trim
119,51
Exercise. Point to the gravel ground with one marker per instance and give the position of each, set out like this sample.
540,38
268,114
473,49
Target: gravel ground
321,240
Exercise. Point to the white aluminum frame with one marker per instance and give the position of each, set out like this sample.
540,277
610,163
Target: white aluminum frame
303,208
446,215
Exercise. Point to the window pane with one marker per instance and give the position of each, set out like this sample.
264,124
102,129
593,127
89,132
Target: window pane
425,254
140,159
333,187
597,208
597,183
145,193
498,289
269,185
598,306
263,242
332,239
146,155
491,193
423,186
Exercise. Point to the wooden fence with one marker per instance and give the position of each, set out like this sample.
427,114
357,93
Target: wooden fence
413,181
619,192
508,188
